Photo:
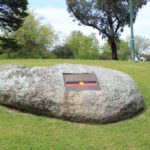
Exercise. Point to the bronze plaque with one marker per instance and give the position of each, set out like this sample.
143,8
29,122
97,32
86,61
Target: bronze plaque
80,81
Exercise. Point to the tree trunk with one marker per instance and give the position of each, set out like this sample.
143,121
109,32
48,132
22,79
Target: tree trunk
113,49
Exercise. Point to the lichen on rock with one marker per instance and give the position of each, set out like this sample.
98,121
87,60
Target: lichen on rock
42,90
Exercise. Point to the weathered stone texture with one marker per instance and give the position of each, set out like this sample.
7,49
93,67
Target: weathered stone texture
41,90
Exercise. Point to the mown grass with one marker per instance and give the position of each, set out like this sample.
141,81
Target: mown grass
23,131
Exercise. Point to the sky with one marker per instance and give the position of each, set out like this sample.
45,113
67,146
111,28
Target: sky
55,13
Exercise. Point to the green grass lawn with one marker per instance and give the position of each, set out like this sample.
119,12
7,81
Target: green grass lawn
22,131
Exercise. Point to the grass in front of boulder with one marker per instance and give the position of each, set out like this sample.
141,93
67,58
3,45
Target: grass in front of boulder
23,131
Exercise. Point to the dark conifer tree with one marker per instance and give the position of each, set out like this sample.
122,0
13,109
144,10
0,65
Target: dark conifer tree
12,14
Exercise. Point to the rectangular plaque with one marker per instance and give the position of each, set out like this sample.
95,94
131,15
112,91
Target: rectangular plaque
80,81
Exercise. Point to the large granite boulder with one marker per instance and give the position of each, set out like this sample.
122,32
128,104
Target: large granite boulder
42,90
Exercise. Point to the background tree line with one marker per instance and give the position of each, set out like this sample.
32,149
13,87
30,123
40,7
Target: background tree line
24,36
107,16
37,40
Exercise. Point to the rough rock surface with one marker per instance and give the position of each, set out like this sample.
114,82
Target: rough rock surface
41,90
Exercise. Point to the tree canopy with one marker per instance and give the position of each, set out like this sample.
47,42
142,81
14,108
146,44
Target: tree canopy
109,17
12,13
78,46
34,39
64,51
83,46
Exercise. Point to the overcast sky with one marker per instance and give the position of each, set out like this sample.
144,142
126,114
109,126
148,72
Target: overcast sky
55,13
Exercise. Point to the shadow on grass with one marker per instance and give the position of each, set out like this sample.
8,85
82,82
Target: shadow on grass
72,120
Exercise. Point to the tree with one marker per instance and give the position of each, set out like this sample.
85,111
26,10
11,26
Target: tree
33,38
108,16
147,57
142,45
123,51
84,47
12,14
63,51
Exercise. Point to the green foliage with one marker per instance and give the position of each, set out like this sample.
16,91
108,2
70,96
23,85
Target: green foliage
12,13
3,56
123,51
147,57
50,55
106,52
107,16
78,46
23,131
83,47
8,44
63,51
34,39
